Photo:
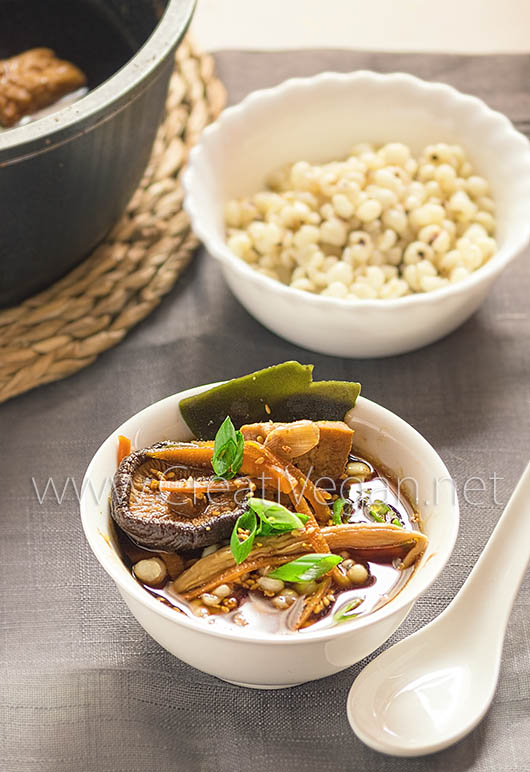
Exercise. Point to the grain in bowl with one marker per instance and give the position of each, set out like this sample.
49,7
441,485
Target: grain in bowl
377,224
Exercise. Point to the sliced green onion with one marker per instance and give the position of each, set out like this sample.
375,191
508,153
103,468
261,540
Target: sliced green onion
344,612
378,510
306,568
338,508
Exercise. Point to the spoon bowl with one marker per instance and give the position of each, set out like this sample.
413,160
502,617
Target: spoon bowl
403,710
429,690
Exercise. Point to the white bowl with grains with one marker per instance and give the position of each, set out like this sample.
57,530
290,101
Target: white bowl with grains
360,214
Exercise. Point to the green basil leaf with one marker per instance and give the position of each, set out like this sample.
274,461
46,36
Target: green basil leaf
275,518
227,450
344,612
222,460
338,507
264,529
377,510
241,549
238,455
225,432
306,568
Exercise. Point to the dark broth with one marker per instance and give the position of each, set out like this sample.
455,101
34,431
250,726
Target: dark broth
256,612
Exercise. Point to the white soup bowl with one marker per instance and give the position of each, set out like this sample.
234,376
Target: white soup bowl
267,660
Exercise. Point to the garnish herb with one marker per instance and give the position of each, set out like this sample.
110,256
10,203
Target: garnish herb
338,508
272,518
306,568
228,450
344,612
396,521
241,549
377,510
275,518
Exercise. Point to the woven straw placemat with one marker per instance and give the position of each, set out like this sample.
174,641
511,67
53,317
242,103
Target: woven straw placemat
63,329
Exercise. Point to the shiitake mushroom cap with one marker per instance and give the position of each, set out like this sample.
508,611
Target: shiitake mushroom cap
156,520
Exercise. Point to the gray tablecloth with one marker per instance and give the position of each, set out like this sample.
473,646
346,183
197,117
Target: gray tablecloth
83,686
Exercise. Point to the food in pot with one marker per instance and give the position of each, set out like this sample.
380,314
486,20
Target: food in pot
379,224
34,80
272,524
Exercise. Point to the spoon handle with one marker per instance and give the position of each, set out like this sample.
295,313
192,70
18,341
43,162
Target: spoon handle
492,585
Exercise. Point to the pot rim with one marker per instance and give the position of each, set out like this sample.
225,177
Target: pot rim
107,99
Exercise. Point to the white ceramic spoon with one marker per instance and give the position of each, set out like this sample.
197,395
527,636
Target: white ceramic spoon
431,689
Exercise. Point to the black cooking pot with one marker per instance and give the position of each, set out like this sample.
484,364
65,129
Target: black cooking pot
66,179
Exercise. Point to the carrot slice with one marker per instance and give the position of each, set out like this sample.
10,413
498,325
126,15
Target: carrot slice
209,485
124,447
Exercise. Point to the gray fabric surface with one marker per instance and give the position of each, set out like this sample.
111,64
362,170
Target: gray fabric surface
83,686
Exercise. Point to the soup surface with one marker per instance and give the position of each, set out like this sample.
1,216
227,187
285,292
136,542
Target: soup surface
247,605
275,526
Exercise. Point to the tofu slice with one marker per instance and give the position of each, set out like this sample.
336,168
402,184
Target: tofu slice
329,456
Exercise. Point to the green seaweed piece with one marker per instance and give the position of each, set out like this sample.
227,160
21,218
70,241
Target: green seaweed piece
248,399
322,401
283,392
